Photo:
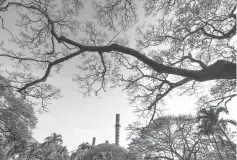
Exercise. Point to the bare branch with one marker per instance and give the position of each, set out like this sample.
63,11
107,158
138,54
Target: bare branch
47,72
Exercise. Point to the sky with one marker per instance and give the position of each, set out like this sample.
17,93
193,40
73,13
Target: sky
78,119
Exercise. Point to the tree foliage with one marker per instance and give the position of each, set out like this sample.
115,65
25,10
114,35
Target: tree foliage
176,137
50,149
81,151
186,44
107,151
104,151
212,124
17,119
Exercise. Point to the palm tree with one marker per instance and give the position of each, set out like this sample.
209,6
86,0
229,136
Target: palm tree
53,139
210,122
50,144
84,146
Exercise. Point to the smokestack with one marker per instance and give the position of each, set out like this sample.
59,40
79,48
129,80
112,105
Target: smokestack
117,127
93,141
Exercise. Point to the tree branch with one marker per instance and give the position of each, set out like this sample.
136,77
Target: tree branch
24,59
219,70
223,36
47,72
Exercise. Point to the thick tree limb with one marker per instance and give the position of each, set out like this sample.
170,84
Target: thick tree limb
221,69
223,36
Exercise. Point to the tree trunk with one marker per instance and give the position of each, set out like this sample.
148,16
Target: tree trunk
233,147
217,146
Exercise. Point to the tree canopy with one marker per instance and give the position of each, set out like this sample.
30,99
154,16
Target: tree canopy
185,46
50,149
177,137
17,120
104,151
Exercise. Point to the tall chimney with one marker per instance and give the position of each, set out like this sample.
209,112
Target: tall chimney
93,141
117,127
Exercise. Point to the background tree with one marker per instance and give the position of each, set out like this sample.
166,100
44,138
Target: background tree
33,151
17,119
174,137
81,151
186,44
2,151
50,149
53,139
104,151
108,151
212,124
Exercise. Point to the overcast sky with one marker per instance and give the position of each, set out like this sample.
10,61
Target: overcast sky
78,119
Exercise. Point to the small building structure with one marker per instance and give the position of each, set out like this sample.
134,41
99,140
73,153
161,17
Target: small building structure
104,151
